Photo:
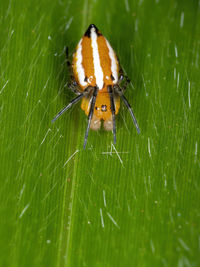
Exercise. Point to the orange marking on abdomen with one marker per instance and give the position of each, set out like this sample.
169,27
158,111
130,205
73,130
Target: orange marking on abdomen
103,99
87,62
105,60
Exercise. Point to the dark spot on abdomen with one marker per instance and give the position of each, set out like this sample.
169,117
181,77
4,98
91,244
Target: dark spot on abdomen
103,108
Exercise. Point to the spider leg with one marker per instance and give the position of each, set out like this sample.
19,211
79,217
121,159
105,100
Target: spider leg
90,115
119,91
112,105
131,112
73,85
73,101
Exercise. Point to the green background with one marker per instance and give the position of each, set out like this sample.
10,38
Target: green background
133,204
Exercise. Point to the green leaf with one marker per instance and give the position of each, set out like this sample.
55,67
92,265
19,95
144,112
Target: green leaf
136,203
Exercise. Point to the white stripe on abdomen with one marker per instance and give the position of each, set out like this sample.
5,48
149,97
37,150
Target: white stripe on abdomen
114,63
79,66
98,72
